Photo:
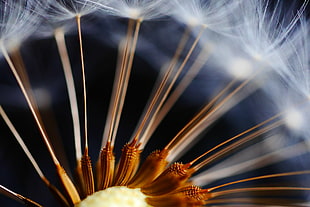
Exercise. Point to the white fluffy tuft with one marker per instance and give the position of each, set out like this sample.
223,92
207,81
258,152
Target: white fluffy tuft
17,22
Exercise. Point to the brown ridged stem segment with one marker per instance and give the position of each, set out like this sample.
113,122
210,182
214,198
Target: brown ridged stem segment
195,192
183,197
79,179
172,178
68,185
151,168
128,164
87,171
106,166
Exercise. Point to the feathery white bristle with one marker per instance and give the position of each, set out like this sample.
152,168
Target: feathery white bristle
132,9
297,73
262,32
212,14
17,22
68,9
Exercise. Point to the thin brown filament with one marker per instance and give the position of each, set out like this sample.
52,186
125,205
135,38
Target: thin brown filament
5,191
69,187
116,94
18,62
120,83
237,136
162,84
245,132
264,130
78,21
253,202
32,108
245,166
196,123
194,70
17,197
22,72
85,161
237,144
165,93
30,157
241,190
179,137
259,178
128,69
230,95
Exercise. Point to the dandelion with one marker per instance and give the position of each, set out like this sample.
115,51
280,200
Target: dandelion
218,57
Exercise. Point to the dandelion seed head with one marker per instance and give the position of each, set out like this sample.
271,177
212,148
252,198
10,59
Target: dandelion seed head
245,54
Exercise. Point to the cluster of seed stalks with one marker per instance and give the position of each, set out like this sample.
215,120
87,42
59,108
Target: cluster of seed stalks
158,177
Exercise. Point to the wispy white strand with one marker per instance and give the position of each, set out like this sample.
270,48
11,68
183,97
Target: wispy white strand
263,31
268,42
298,60
57,14
133,9
17,22
213,14
63,10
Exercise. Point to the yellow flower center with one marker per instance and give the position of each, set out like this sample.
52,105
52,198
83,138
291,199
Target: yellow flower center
117,196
